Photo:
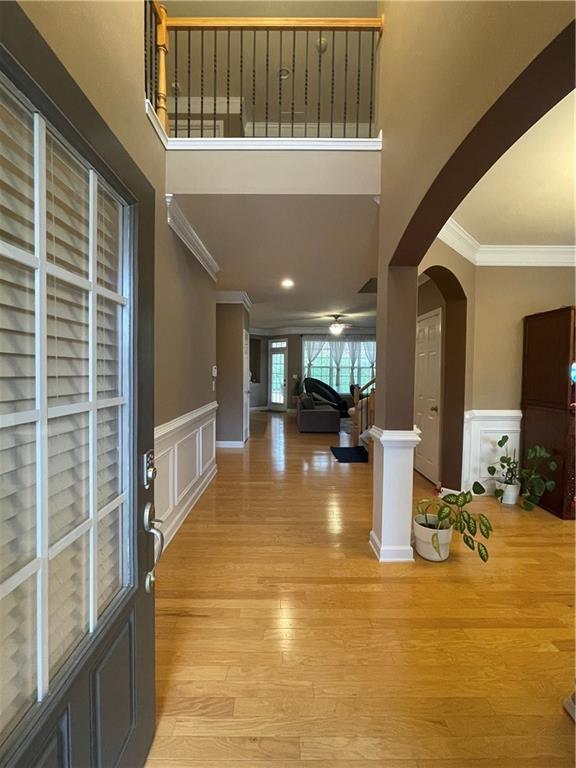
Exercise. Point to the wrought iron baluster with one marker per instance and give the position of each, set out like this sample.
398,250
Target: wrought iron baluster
293,82
175,85
202,83
147,47
254,85
155,54
319,107
345,82
189,115
227,82
215,80
306,84
280,90
267,80
332,88
358,75
370,118
242,81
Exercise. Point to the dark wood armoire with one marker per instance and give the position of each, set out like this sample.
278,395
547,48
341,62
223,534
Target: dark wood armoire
548,399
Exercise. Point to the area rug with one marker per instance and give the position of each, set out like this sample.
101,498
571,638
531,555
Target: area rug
355,455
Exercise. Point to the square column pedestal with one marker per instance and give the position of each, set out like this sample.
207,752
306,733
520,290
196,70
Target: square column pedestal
391,534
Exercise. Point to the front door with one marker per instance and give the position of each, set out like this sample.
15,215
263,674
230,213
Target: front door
427,393
278,365
76,298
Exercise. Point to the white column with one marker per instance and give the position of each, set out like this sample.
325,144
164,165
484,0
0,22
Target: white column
393,466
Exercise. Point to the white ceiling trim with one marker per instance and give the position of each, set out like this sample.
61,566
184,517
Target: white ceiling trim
466,245
178,221
277,143
314,331
234,297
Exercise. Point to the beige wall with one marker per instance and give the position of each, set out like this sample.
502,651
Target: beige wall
231,320
498,298
441,66
101,45
504,295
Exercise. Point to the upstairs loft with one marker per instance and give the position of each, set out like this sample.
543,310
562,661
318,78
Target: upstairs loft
243,80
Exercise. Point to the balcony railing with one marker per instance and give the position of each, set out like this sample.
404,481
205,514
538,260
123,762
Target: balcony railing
261,77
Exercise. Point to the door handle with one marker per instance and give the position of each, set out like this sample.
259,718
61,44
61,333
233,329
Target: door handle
150,527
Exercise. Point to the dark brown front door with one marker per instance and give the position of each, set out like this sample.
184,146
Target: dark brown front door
76,418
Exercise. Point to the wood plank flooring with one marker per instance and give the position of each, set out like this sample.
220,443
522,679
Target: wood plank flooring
282,643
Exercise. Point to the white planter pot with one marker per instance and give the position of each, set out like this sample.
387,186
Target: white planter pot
511,492
423,539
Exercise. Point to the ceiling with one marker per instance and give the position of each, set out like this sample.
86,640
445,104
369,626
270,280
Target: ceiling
326,244
527,197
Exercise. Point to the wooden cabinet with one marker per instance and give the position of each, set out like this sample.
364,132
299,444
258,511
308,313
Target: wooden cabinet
548,397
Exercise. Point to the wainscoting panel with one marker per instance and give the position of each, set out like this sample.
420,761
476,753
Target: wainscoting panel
186,463
482,430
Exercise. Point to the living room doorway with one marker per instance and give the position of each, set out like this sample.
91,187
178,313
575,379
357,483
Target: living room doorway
278,356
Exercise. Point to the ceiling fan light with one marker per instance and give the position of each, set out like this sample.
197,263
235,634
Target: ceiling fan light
336,328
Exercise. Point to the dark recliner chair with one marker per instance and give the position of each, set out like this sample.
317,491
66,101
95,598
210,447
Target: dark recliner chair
326,393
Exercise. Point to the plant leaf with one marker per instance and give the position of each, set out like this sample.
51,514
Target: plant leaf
465,515
550,485
478,488
484,530
552,466
499,493
461,499
444,513
503,440
450,498
472,526
436,542
492,471
482,552
469,541
468,497
484,519
528,505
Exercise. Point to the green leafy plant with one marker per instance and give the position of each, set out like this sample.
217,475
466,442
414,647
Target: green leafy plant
449,511
534,482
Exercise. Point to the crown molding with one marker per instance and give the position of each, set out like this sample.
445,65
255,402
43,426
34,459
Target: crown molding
454,235
234,297
178,221
460,240
314,331
526,256
277,143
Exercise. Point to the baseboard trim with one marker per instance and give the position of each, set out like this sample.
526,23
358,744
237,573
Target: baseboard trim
390,554
258,407
176,520
230,444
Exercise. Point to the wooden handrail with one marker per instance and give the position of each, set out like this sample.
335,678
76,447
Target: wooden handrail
258,22
162,49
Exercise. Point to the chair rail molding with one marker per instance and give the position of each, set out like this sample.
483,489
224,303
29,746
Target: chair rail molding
482,430
454,235
178,221
185,455
393,482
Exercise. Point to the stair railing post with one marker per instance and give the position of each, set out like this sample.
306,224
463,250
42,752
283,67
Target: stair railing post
161,87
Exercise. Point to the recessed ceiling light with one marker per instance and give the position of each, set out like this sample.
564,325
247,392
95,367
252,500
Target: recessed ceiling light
287,283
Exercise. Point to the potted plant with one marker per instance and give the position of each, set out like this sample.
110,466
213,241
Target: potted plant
529,479
508,481
438,518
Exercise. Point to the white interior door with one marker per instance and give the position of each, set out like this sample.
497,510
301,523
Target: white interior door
246,387
427,393
277,377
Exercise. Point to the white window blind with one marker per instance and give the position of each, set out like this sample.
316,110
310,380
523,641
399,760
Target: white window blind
64,398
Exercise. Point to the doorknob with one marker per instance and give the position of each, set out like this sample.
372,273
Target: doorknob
149,526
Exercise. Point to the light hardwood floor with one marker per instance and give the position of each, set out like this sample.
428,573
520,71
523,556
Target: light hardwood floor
282,643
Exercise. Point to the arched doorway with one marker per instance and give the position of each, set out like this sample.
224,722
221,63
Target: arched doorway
452,304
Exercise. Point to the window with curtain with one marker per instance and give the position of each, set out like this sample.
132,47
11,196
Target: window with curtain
64,345
340,362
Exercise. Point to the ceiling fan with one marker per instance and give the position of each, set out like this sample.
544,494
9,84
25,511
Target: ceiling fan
337,326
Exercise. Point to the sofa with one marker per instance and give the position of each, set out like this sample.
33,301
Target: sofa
312,417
